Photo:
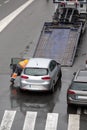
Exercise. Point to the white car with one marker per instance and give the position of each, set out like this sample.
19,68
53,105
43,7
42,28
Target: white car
40,74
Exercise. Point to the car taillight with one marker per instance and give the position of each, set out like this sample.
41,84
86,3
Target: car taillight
70,92
24,77
76,4
46,78
62,4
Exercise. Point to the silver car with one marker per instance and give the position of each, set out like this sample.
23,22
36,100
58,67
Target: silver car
40,74
77,91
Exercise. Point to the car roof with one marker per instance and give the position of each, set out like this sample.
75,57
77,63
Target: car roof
39,62
81,76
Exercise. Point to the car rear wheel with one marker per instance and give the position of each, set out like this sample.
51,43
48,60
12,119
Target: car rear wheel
21,90
70,108
52,90
60,74
53,87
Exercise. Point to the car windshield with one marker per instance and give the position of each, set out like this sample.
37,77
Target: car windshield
36,71
82,73
79,86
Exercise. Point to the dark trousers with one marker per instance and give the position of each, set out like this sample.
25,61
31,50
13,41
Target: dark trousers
18,71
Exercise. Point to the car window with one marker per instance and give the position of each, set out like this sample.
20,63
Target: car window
82,73
35,71
52,65
79,86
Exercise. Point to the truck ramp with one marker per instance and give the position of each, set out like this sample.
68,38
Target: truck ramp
58,42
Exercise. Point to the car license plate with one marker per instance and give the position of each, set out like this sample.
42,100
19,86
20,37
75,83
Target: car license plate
29,86
82,97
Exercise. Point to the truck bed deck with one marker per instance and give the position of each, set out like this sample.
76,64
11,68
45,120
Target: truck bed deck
58,42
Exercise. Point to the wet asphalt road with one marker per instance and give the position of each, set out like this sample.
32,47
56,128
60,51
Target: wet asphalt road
22,31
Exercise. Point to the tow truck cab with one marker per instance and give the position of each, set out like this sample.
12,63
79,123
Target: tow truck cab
80,5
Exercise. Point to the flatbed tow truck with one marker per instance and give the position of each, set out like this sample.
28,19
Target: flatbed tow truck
59,39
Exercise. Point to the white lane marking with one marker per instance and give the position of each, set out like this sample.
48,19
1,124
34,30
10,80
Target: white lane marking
4,22
6,1
7,120
73,122
30,119
51,122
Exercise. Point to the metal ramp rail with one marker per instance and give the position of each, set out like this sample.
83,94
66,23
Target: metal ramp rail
67,15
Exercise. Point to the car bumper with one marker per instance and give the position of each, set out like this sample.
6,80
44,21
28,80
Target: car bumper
35,87
77,102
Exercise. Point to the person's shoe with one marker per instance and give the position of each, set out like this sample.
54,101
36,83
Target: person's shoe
12,81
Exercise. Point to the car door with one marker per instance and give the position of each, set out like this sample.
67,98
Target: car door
53,71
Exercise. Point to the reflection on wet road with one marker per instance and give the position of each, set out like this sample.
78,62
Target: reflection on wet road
35,101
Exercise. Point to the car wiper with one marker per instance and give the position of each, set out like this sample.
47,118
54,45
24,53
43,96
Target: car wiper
35,75
84,90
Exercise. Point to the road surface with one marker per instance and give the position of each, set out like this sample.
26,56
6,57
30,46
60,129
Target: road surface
20,25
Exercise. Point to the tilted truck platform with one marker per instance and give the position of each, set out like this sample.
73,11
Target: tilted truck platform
59,42
59,39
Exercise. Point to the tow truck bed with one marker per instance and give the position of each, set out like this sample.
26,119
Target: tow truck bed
59,42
